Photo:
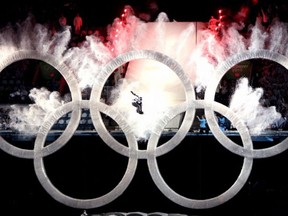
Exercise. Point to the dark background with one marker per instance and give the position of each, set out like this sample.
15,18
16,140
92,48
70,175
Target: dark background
198,168
98,14
103,12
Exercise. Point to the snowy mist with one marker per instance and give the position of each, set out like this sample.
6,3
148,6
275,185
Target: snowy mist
197,49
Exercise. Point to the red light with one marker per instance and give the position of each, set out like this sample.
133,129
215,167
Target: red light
220,11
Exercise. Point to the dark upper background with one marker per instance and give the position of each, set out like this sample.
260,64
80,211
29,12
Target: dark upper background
103,12
99,14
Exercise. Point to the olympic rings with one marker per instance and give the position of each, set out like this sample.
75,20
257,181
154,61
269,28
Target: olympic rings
205,203
75,94
210,93
132,152
84,203
120,60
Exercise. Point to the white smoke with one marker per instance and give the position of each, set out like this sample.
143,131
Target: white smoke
157,88
199,62
246,103
28,119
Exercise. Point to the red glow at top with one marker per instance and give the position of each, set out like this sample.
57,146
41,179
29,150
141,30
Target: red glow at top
220,11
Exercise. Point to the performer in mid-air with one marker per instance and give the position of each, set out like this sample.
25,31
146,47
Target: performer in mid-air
137,102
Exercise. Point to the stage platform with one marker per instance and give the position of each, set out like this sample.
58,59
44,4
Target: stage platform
265,136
